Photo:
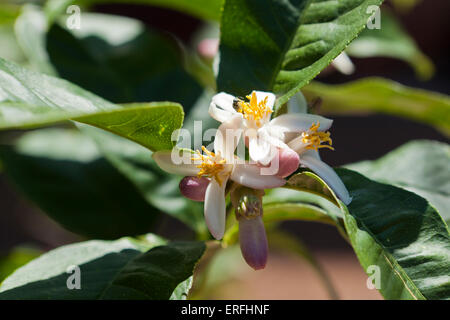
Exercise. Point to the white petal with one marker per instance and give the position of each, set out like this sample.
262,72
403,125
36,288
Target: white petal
273,135
227,137
298,145
221,107
297,104
215,208
224,101
261,95
328,175
312,153
260,150
343,64
249,175
300,122
176,163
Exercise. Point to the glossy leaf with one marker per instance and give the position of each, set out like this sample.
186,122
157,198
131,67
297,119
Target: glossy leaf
386,96
38,100
65,175
280,46
121,60
203,9
400,233
392,41
121,269
30,29
422,167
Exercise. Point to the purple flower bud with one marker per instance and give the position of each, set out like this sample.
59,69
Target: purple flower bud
253,241
288,161
194,188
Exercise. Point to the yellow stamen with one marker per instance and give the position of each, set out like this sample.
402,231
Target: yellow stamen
314,139
253,110
211,165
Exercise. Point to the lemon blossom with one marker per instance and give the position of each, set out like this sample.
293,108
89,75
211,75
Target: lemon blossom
218,166
264,136
307,145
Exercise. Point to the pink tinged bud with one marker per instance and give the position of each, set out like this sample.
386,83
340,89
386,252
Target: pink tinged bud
253,242
208,48
288,161
194,188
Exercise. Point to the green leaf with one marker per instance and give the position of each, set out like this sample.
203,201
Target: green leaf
421,166
15,259
37,100
121,269
55,8
280,46
394,42
203,9
30,29
402,234
8,13
63,172
382,95
121,60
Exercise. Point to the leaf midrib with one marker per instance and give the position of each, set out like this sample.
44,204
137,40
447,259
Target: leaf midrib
288,46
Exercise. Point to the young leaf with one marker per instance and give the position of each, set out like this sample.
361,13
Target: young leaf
280,46
394,42
121,60
382,95
203,9
400,236
421,166
30,28
121,269
37,100
63,173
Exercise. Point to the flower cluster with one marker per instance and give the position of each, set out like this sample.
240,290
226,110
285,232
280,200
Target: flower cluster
276,148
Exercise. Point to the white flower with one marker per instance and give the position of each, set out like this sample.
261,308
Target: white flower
264,135
218,167
307,145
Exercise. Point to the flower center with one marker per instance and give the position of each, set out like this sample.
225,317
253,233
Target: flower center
212,165
253,110
314,138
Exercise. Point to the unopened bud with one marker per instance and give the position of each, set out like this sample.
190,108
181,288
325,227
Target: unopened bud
249,207
247,202
194,188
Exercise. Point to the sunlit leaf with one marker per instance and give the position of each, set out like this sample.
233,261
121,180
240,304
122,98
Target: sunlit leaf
38,100
121,269
391,40
382,95
203,9
422,167
399,235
